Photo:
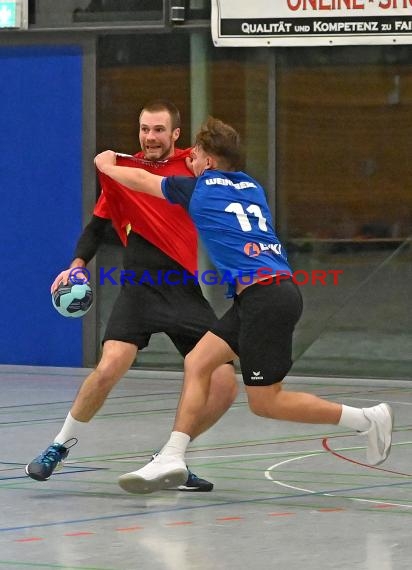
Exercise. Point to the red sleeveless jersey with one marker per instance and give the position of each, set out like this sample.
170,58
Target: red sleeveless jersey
167,226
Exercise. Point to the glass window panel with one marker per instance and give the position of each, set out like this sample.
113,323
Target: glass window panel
345,203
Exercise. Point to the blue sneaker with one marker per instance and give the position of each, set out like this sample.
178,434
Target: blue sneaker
43,466
195,484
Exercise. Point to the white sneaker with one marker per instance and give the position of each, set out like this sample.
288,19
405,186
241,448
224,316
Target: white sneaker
380,433
163,472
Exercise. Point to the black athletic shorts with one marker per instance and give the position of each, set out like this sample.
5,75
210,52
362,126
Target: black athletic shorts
259,328
181,311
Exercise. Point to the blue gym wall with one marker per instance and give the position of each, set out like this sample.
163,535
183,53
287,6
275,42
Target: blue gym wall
41,199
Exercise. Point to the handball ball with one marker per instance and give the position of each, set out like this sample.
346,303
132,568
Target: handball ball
73,299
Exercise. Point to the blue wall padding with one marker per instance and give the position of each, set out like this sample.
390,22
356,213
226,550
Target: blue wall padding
41,200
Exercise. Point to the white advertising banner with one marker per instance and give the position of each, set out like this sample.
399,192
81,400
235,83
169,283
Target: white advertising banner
252,23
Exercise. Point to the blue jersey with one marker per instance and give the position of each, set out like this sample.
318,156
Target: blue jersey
232,216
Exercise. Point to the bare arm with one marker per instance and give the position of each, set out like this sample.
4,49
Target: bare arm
134,178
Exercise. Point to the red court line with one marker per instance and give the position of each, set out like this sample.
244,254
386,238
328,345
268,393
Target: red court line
179,523
280,514
325,445
129,528
32,539
222,519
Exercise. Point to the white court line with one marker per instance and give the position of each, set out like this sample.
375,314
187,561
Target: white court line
295,488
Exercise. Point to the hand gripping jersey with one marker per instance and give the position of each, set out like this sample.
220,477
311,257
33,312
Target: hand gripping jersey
232,216
165,225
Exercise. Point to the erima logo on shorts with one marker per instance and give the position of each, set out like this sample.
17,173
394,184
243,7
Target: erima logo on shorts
256,376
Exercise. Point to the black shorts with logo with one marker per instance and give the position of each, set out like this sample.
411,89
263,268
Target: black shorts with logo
157,299
259,329
180,311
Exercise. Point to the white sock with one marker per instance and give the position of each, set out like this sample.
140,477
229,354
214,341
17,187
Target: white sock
354,418
72,429
176,445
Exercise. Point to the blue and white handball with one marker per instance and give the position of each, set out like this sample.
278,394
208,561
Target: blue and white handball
73,300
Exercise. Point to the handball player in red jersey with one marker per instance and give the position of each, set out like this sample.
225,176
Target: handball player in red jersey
160,240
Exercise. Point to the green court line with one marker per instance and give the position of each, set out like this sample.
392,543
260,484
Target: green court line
45,565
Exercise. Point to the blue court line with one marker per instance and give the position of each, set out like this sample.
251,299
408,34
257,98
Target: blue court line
44,565
72,470
208,506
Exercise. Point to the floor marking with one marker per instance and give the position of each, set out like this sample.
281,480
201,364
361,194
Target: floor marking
280,514
129,528
214,503
340,456
179,523
44,565
71,471
31,539
174,510
328,494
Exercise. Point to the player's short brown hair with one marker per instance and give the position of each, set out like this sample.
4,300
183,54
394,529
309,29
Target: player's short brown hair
156,105
222,141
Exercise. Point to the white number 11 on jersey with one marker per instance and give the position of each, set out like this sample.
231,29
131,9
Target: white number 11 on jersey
242,216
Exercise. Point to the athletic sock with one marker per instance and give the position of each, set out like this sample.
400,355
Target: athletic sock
354,418
72,429
176,445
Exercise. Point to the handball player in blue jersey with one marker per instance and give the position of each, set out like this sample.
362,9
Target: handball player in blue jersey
232,216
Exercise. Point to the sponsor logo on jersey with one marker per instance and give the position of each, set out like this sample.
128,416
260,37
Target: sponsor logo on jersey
253,249
227,182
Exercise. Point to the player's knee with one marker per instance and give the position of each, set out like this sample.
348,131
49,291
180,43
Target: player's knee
262,400
116,359
105,377
225,382
258,407
110,370
195,366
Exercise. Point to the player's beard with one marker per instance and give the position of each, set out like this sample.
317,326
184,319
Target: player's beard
158,153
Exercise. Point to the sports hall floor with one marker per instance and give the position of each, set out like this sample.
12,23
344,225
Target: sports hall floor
287,496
